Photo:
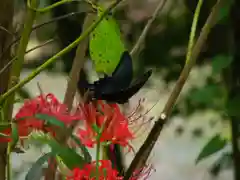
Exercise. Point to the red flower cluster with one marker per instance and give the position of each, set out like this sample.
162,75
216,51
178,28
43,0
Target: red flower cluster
43,104
107,118
105,172
88,172
103,123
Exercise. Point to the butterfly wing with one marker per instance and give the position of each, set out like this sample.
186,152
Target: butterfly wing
123,95
120,79
123,73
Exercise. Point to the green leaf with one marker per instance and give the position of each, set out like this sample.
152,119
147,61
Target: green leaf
220,62
106,46
50,120
14,135
214,145
83,148
225,11
68,155
206,95
233,106
4,126
63,169
35,172
23,93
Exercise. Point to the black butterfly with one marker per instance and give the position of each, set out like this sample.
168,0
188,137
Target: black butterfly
118,88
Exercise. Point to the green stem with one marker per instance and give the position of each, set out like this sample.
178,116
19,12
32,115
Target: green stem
18,64
9,169
97,158
43,10
58,55
193,30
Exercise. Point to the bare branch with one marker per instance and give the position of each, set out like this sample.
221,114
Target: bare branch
142,37
30,50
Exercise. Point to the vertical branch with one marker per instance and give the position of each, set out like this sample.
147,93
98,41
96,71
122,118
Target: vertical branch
145,150
77,66
235,86
6,18
18,63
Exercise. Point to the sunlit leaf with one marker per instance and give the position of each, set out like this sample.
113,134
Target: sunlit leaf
35,172
106,46
214,145
226,132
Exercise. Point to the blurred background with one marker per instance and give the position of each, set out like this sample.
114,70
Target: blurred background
199,114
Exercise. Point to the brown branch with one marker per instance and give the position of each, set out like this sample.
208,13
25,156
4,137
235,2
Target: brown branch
234,87
142,37
6,18
145,150
77,66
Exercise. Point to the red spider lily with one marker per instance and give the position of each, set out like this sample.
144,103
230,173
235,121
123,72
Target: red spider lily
88,172
43,104
108,117
47,105
105,172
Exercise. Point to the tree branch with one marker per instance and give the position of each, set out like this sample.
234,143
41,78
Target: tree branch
234,87
142,37
6,18
145,150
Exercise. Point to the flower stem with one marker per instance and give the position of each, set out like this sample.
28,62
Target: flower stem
98,158
9,169
48,8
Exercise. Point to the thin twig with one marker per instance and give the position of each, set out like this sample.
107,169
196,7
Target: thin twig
145,150
28,51
39,26
142,37
7,31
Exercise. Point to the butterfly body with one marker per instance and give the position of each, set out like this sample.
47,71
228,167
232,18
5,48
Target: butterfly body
118,88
